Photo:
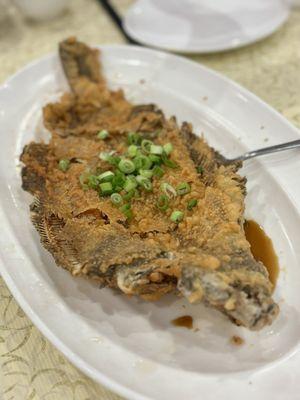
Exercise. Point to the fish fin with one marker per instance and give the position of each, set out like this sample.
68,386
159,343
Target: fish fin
79,61
50,228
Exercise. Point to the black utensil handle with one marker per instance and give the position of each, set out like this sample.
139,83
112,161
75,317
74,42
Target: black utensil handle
116,19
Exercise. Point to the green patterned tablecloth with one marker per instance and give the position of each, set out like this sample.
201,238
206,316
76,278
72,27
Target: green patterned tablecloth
31,369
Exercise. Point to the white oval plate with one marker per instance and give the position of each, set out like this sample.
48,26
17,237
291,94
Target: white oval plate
127,344
203,26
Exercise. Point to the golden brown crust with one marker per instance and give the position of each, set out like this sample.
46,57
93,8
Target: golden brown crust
206,255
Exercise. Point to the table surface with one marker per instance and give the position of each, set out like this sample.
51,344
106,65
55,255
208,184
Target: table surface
30,367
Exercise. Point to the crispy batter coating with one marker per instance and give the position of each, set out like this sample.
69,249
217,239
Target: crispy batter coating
206,256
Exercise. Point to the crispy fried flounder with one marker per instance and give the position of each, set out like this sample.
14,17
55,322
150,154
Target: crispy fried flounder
206,256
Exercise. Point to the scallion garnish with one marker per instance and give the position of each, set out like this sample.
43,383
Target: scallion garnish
107,176
116,199
128,196
132,150
106,188
113,160
183,188
168,190
134,138
191,204
147,173
144,182
134,170
130,183
64,164
200,169
102,134
146,145
93,181
158,171
176,216
142,162
126,166
104,155
168,148
155,149
155,159
125,207
126,210
118,181
163,202
169,163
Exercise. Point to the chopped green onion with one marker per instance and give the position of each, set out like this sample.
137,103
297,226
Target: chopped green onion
106,188
134,138
104,155
130,194
146,145
191,204
103,134
139,152
200,169
168,148
163,202
147,173
130,183
107,176
169,163
114,160
128,214
168,190
155,149
176,216
93,181
155,159
125,209
142,162
144,182
64,164
183,188
109,157
132,150
118,181
126,166
158,171
116,199
120,176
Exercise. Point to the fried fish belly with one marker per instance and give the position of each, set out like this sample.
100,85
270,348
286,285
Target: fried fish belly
205,257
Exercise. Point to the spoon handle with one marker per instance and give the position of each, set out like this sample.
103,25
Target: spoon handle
268,150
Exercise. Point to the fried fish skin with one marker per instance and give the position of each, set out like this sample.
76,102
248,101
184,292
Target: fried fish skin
206,256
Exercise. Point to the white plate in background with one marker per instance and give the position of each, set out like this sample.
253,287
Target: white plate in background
129,345
203,26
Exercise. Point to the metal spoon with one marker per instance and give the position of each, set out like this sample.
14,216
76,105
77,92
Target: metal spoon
266,150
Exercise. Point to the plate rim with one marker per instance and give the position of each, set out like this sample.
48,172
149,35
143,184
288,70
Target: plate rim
39,323
281,20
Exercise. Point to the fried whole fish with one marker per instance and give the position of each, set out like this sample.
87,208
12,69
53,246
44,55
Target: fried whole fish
205,257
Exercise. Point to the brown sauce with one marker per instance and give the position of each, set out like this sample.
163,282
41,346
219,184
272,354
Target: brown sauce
262,248
237,340
186,321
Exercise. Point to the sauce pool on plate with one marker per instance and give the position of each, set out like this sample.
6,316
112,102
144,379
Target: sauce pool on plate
186,321
262,248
